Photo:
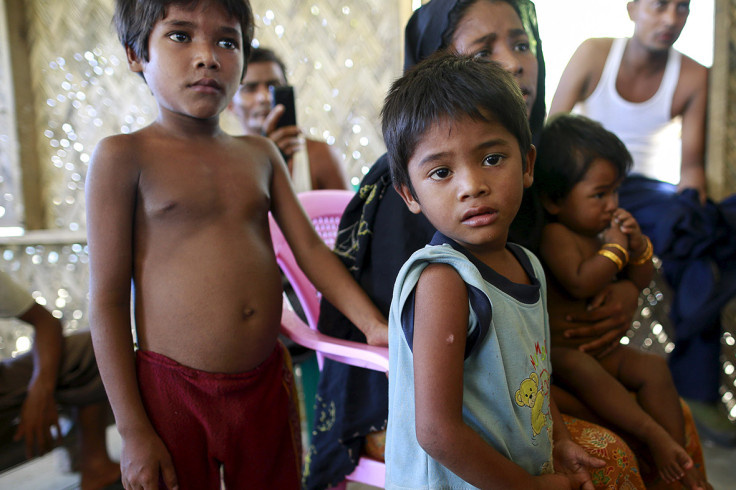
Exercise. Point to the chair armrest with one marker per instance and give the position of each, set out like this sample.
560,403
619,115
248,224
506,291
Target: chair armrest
345,351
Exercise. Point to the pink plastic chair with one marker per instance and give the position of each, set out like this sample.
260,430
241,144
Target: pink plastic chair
325,209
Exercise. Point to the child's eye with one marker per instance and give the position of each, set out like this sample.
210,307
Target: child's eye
492,160
228,44
179,37
439,174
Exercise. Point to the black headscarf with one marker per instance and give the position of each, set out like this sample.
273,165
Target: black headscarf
428,31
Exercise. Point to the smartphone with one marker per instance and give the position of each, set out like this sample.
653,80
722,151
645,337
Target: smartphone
284,96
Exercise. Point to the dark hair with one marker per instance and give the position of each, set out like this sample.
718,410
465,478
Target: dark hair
134,21
568,146
266,55
448,85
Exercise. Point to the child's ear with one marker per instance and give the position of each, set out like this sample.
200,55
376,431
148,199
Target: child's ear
531,157
549,205
134,63
409,199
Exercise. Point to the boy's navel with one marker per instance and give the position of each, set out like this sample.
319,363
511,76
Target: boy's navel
248,312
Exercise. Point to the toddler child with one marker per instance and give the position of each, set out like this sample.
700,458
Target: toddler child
588,243
181,209
469,400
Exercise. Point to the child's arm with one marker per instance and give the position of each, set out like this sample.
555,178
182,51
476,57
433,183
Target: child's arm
110,199
569,458
322,267
640,268
440,330
582,277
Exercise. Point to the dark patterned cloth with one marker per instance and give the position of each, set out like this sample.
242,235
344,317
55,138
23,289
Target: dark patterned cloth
697,246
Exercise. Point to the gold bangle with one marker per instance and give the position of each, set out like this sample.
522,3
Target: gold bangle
612,257
646,255
620,249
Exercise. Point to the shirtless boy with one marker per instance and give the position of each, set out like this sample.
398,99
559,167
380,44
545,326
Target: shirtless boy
181,209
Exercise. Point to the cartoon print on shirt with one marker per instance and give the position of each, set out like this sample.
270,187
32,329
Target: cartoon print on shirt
531,394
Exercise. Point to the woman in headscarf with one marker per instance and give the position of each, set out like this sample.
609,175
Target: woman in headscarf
378,234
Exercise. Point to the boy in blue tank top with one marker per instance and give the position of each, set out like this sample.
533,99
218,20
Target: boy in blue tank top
469,399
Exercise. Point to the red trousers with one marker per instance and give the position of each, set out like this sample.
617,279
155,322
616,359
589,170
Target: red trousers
245,425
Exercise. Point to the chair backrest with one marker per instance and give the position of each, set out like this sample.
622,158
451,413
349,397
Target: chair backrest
324,208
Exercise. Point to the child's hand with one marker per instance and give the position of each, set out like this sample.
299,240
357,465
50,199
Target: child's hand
572,461
614,234
141,457
629,226
378,335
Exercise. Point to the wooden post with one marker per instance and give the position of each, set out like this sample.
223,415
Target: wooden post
30,165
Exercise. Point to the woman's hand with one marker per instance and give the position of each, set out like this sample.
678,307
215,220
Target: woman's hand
609,316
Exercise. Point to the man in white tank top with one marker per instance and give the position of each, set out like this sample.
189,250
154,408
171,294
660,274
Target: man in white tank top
635,87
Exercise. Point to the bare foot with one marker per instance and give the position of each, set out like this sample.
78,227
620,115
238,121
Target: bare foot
671,459
694,480
98,476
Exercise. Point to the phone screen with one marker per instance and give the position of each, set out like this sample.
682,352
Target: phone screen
284,96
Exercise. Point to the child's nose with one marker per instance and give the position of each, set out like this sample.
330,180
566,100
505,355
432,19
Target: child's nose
612,202
206,57
472,184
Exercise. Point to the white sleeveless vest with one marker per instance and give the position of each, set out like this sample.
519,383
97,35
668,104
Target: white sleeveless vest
651,136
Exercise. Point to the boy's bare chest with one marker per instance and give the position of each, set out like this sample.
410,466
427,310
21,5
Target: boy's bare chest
198,186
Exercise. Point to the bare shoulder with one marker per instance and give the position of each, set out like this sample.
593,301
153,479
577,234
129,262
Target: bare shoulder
691,93
596,46
328,171
439,277
555,229
581,75
257,146
554,235
592,53
693,74
317,147
121,152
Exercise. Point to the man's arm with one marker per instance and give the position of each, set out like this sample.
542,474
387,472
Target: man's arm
694,83
581,75
38,412
326,166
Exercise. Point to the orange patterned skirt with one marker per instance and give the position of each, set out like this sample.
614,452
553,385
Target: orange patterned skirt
622,468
